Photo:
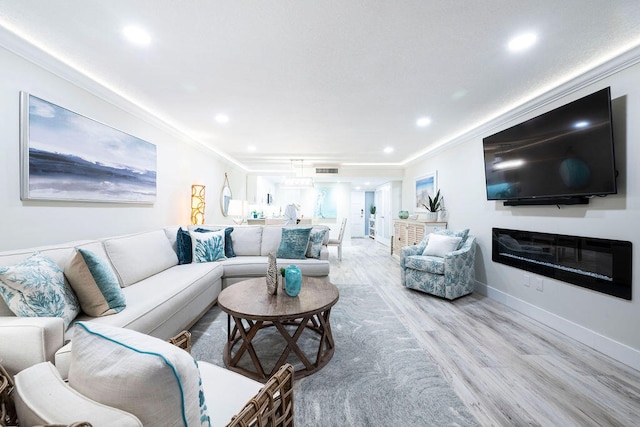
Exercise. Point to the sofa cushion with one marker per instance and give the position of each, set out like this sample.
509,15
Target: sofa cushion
136,257
247,240
428,264
316,239
95,284
294,243
271,238
440,245
157,382
36,287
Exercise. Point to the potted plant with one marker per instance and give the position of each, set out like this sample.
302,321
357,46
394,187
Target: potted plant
432,206
372,210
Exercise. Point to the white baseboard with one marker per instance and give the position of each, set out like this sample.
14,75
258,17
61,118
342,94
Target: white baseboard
618,351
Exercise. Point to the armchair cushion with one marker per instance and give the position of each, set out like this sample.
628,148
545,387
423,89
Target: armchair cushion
145,376
440,245
430,264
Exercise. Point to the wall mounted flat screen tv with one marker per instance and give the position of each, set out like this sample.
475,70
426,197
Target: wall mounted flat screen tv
564,155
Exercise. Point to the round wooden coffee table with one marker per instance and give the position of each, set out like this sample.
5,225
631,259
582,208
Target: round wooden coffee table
253,310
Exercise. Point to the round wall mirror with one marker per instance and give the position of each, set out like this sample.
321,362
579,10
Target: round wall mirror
225,196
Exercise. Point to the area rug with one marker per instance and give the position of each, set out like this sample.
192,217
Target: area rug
378,375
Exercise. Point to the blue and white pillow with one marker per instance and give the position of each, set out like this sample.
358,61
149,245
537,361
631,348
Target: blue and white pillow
315,242
36,288
207,247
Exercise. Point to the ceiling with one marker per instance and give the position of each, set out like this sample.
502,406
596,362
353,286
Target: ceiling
329,82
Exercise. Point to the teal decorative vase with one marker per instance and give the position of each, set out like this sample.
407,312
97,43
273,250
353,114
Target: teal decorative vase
293,280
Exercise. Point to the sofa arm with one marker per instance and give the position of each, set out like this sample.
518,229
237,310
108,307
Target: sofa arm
27,341
42,397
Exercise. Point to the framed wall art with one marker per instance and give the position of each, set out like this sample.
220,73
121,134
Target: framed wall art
425,186
65,156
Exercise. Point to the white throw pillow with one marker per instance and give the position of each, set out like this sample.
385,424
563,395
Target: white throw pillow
156,381
439,245
207,247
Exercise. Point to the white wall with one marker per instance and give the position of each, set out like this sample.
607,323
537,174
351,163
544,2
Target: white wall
180,164
606,323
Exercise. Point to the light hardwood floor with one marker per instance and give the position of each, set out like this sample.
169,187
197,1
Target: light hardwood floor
510,370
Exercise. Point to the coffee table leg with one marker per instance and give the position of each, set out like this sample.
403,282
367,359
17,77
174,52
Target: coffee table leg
245,337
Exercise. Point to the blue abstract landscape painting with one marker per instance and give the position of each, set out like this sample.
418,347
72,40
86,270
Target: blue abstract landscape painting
74,158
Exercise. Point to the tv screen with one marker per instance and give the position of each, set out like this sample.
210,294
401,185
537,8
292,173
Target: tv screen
564,153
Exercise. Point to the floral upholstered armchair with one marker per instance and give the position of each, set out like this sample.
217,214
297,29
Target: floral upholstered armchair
441,264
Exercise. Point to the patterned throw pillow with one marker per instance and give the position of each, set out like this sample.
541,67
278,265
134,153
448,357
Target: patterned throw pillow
183,247
207,247
36,288
156,381
95,284
294,243
315,242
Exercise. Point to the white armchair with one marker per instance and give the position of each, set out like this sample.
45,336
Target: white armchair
126,378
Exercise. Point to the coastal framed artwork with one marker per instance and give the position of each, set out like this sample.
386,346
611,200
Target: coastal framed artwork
425,186
66,156
325,204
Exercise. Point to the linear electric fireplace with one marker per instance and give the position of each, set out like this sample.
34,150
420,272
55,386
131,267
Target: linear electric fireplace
599,264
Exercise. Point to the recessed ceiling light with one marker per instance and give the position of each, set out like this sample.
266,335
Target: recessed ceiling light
388,150
522,42
423,122
581,124
222,118
137,35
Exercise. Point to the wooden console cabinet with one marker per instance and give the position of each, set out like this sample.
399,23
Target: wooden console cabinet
407,232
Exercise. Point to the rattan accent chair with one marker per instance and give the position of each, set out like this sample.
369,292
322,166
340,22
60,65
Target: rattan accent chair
272,406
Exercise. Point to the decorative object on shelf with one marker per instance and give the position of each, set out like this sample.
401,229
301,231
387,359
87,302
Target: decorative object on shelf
433,206
282,273
293,280
272,275
403,214
238,210
197,204
372,210
107,166
225,196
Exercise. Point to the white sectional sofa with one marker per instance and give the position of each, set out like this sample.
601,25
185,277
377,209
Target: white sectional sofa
162,297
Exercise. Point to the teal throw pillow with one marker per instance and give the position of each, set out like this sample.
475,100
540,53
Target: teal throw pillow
294,243
207,247
183,246
36,288
228,243
95,284
315,242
